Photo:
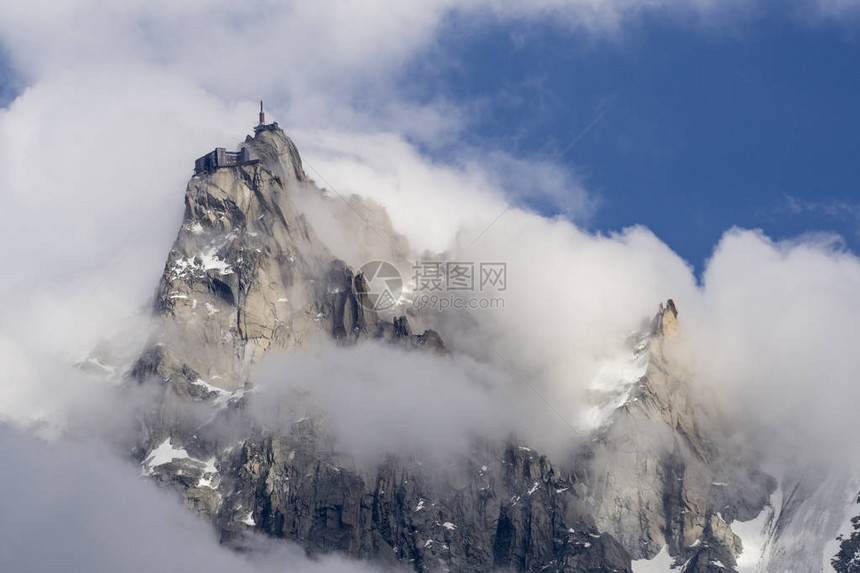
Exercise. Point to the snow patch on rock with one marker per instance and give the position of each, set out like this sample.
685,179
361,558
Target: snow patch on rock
163,454
661,563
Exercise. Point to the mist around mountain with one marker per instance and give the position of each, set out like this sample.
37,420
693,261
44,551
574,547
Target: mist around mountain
590,423
191,377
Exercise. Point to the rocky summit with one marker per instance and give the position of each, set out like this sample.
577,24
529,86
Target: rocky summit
658,478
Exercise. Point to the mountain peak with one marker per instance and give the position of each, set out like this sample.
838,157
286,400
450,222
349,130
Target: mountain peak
666,321
248,273
277,152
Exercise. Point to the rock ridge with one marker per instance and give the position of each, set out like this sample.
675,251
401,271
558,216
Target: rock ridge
249,275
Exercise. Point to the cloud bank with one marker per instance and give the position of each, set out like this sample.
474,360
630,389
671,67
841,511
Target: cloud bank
120,98
73,507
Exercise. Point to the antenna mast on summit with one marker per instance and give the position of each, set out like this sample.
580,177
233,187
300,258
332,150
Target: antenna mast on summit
263,126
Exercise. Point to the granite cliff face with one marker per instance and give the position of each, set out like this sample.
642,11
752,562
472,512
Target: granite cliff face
682,481
248,275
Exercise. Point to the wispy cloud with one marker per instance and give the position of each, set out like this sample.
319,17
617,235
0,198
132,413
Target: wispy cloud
122,96
77,508
836,209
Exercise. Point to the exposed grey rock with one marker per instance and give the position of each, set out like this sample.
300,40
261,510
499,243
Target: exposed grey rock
248,275
847,560
663,470
514,511
814,504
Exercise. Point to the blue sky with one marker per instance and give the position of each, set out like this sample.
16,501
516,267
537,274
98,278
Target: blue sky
703,129
747,121
9,84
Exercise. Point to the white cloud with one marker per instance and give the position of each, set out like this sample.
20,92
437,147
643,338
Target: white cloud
413,403
124,95
839,210
775,333
834,9
76,508
93,169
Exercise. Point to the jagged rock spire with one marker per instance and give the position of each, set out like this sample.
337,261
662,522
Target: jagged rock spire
666,321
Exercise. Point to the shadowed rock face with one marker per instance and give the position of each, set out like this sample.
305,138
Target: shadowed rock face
248,275
504,507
